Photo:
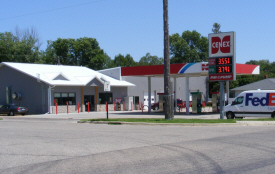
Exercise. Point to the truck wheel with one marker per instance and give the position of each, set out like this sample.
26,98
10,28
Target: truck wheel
273,115
230,115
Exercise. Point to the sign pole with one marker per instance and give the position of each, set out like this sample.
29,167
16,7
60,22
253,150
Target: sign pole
221,100
107,104
107,88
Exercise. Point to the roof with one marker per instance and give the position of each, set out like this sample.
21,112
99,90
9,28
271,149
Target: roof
183,69
265,84
63,75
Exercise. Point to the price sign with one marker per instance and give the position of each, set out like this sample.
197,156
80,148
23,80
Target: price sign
221,68
222,56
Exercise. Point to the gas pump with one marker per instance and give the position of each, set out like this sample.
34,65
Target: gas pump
196,102
215,101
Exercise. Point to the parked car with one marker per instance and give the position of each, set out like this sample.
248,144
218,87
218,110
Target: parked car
12,109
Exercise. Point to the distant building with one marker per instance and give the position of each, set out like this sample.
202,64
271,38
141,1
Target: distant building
265,84
39,87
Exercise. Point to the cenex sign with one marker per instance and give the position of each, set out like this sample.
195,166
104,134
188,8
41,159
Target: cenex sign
222,56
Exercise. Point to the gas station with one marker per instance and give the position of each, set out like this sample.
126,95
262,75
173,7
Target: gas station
221,67
186,70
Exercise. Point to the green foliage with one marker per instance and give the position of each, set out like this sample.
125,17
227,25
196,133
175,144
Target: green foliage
189,47
124,61
216,28
83,51
19,49
109,63
150,60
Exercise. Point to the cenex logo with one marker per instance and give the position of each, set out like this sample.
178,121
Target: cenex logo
269,100
204,67
222,45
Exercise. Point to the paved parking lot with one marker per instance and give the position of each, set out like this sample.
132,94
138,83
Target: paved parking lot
57,144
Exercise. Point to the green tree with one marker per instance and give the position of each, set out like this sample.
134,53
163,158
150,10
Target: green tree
216,28
124,61
22,48
83,51
189,47
150,60
109,63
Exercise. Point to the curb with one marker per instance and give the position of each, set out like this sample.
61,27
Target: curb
256,123
238,123
160,124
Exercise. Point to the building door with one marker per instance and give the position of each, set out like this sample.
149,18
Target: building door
89,99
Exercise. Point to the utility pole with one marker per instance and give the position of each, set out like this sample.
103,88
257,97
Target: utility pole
169,111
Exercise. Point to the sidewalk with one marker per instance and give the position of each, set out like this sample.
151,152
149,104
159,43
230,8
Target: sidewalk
124,114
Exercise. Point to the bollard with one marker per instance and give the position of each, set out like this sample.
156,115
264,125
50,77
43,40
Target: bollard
106,105
78,107
141,107
131,106
67,108
88,107
123,106
56,108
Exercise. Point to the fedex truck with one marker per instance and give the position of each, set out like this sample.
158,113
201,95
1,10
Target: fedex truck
254,103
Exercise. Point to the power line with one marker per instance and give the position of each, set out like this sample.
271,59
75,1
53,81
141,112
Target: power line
46,11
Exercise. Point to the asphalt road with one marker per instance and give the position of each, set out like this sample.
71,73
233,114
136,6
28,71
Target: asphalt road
47,144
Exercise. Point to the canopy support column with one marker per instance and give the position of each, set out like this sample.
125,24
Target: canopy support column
149,95
175,94
187,93
227,92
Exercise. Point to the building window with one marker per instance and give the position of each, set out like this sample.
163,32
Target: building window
61,98
102,97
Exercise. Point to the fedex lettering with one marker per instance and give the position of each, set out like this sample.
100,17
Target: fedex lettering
222,45
268,100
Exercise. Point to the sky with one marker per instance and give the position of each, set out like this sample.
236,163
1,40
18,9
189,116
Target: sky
135,27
